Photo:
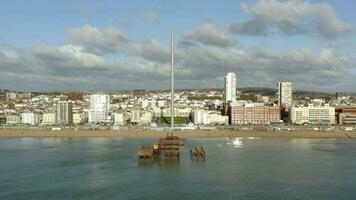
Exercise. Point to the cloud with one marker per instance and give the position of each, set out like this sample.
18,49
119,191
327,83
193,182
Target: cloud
98,41
151,49
200,63
112,40
151,16
291,17
67,56
245,8
210,34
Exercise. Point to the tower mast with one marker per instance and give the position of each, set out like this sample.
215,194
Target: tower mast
172,81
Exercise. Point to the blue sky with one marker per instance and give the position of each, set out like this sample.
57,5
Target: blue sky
24,25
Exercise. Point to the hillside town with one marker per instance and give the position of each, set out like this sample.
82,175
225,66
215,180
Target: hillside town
226,108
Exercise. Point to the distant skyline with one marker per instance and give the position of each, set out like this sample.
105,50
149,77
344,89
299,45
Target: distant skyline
124,45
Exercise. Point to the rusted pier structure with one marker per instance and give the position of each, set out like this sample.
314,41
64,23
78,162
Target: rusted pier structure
148,154
197,153
170,147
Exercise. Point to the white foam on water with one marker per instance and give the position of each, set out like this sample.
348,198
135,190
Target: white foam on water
237,143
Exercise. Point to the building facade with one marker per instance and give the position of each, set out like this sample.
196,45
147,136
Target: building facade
99,111
253,114
285,94
48,119
78,118
345,115
313,114
11,95
230,87
13,119
135,115
119,118
30,118
166,112
204,117
2,96
64,114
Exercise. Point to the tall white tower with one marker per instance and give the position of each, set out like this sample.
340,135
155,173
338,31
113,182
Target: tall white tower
172,79
285,92
230,87
99,108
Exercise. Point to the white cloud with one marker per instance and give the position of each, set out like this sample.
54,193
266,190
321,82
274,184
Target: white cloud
108,40
292,17
210,34
145,64
67,56
245,8
85,58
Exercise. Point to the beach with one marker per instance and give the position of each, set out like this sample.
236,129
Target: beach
71,133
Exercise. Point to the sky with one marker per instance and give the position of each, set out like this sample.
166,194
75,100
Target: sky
74,45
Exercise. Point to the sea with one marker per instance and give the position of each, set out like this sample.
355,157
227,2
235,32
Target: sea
238,168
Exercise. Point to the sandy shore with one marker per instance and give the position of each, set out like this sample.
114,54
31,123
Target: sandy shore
184,134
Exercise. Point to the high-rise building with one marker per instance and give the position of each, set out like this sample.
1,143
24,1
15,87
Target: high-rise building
64,114
230,87
285,92
99,111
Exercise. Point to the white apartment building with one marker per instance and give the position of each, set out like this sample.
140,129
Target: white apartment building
149,103
48,119
161,103
119,118
313,114
178,112
146,117
230,87
153,103
285,94
135,115
78,118
11,95
99,111
204,117
30,118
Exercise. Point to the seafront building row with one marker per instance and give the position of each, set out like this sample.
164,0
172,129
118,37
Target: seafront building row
192,108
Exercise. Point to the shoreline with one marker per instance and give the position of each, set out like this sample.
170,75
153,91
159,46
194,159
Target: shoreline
71,133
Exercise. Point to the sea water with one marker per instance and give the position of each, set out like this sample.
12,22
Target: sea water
241,168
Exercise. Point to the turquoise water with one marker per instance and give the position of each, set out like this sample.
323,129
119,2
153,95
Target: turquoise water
106,168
